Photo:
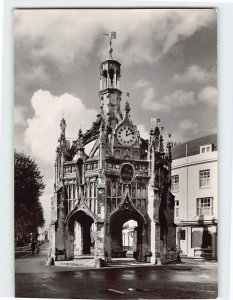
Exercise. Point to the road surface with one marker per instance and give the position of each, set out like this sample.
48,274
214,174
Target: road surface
188,280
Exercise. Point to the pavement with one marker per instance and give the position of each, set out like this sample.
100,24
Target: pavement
191,279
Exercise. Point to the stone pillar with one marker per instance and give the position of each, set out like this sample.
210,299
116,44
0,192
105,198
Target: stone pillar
60,232
190,251
153,211
108,243
101,223
178,239
144,243
115,81
100,241
52,241
69,244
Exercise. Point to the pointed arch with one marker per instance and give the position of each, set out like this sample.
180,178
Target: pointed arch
82,208
127,205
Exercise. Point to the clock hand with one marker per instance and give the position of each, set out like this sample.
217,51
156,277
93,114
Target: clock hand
128,133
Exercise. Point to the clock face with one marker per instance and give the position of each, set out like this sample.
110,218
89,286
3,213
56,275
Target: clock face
126,135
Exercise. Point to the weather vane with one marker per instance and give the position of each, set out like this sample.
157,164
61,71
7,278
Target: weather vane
112,36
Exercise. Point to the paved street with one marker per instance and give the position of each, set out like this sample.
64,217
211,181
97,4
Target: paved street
189,280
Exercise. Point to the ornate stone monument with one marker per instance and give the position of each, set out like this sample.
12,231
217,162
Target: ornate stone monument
125,177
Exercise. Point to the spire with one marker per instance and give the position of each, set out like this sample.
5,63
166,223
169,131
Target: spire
80,138
62,139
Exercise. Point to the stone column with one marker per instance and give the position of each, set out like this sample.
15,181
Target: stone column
190,250
101,223
100,241
115,81
52,241
144,243
178,239
118,82
60,232
108,243
69,239
153,211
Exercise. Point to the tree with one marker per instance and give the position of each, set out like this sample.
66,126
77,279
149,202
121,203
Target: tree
28,187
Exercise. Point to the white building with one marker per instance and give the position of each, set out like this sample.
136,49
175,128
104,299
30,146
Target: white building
195,187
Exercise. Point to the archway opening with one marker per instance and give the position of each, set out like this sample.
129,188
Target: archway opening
126,230
129,238
81,228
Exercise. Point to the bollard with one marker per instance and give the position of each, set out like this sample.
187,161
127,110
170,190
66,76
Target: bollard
50,261
159,262
99,263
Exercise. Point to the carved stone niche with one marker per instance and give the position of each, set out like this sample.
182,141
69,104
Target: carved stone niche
127,173
117,153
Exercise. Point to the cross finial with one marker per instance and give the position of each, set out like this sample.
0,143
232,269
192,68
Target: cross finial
112,36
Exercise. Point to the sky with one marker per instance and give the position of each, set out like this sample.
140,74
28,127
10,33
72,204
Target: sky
168,66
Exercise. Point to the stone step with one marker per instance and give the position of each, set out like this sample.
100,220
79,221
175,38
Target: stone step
84,256
83,262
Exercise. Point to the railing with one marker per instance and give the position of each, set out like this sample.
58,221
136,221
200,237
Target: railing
170,255
22,250
203,252
127,247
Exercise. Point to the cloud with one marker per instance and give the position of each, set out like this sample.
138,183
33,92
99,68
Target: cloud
143,132
183,131
178,98
150,33
185,23
141,83
194,73
43,128
209,94
19,118
149,103
187,125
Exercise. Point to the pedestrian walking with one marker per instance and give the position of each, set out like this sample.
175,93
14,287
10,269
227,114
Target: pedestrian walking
33,246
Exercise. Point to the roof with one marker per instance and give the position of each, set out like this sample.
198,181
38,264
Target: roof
193,146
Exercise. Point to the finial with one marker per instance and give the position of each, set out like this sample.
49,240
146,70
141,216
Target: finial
80,138
169,150
127,107
63,126
112,36
80,132
101,110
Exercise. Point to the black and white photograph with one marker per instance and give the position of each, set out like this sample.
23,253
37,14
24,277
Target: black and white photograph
115,153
